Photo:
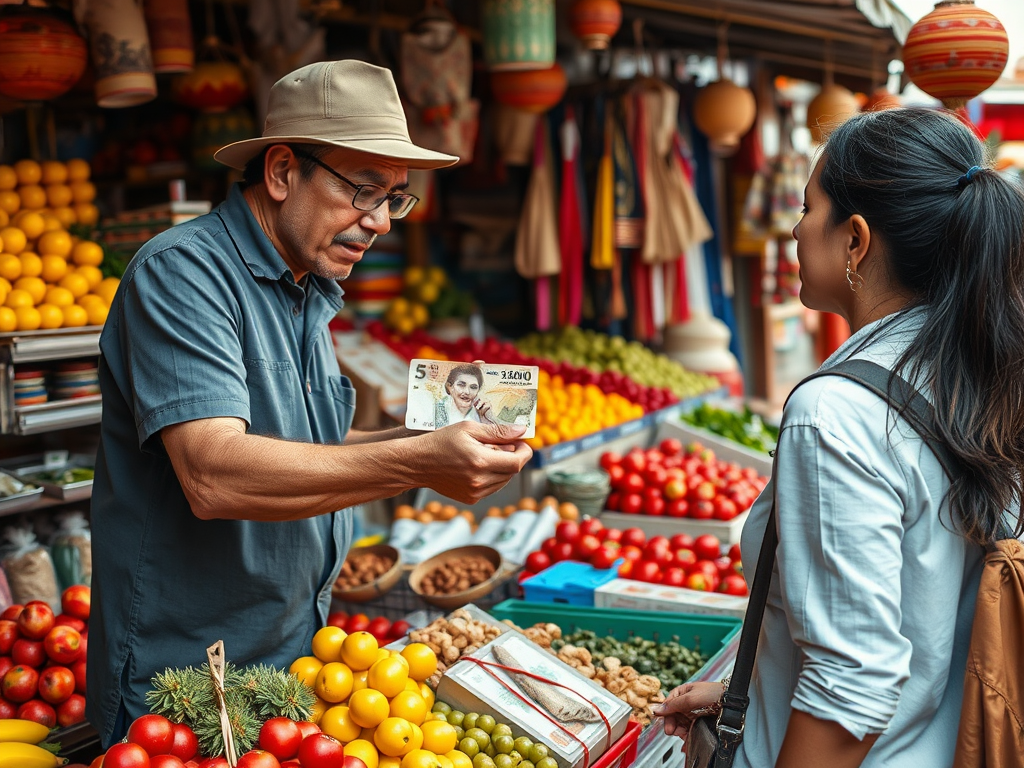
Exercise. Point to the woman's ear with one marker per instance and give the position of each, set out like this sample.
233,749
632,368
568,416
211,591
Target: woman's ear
859,240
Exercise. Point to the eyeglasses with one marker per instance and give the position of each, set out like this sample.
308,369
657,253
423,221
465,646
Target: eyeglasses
369,197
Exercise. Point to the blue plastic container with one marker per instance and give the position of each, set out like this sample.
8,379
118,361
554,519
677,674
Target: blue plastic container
568,582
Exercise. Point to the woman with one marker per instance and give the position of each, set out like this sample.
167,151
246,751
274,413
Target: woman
462,401
861,659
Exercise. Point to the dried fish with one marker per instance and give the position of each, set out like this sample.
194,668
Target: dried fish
565,709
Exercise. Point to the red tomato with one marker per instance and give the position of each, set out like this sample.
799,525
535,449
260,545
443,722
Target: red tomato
699,581
321,751
609,459
681,541
307,728
72,711
724,566
605,557
127,756
562,551
154,733
591,526
633,483
612,534
734,552
626,569
614,501
548,547
616,475
674,489
677,508
20,683
38,712
214,762
281,737
648,571
12,612
567,532
8,635
632,504
398,629
655,507
631,553
76,601
733,584
707,547
651,492
702,510
586,547
670,447
56,684
710,570
674,577
654,474
537,562
685,559
258,758
633,537
357,622
168,761
634,461
337,619
378,627
725,509
63,645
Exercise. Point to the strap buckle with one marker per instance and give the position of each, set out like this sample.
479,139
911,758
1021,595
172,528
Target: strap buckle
729,737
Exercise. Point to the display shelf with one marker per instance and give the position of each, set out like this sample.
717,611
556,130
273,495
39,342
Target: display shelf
58,414
34,346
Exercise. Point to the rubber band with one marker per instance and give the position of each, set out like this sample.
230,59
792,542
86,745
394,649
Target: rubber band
968,177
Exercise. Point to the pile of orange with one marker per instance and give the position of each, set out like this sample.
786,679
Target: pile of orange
569,411
376,702
60,189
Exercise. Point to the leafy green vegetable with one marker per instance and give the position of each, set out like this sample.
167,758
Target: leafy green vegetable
65,476
746,428
671,662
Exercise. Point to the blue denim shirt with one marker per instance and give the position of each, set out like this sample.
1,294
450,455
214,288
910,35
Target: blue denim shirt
207,322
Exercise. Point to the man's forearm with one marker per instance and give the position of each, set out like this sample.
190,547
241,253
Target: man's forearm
361,437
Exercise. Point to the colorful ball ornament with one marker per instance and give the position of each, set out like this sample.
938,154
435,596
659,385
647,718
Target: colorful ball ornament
213,86
41,56
833,105
724,112
882,99
595,22
533,90
955,52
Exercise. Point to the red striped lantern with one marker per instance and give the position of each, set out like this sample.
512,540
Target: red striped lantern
595,22
41,56
955,52
531,90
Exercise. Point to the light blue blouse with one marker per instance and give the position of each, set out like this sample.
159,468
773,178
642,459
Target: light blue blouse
872,599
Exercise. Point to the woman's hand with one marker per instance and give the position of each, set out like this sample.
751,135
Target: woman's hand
679,705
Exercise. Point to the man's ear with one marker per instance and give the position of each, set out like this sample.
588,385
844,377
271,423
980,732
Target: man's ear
859,243
278,166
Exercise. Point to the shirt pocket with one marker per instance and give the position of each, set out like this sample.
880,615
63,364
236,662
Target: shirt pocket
344,395
276,399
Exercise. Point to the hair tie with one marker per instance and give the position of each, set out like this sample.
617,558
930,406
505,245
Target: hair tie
968,177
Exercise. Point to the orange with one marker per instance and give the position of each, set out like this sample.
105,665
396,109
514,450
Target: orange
8,320
358,678
78,169
14,240
459,759
35,288
439,737
29,318
416,742
319,707
306,668
388,676
75,283
19,298
422,661
382,653
52,222
75,317
92,275
369,708
420,758
87,253
31,264
58,195
87,213
60,297
8,178
28,171
428,695
55,243
10,201
327,643
5,219
334,682
32,196
53,172
32,224
444,762
412,685
363,750
410,706
10,266
393,736
66,216
106,290
83,191
366,734
359,650
338,723
97,314
54,268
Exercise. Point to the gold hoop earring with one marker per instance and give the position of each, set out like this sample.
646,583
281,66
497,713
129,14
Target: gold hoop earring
856,281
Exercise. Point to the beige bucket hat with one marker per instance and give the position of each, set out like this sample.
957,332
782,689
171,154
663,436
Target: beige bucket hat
349,104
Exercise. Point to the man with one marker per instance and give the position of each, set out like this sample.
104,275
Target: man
225,446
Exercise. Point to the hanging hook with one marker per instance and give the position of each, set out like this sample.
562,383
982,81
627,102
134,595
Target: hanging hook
722,54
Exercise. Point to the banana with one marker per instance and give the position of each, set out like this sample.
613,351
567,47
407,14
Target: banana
25,731
14,754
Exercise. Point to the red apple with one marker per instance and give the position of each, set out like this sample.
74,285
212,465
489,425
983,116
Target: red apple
36,620
63,620
56,684
63,645
78,668
28,652
12,612
38,712
72,711
77,601
20,683
8,635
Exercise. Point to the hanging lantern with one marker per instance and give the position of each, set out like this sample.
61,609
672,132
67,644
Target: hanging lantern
833,105
518,34
170,35
595,22
723,111
41,56
212,86
119,46
534,90
955,52
882,99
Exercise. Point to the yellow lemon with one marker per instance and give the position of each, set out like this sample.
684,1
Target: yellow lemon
32,224
422,661
388,676
327,643
359,650
334,682
106,290
306,668
444,762
420,758
369,707
365,751
382,653
54,268
459,759
19,298
87,214
412,685
393,736
55,243
410,706
428,695
87,253
66,216
78,169
50,316
439,737
31,264
75,283
32,196
97,314
53,172
394,762
58,195
319,707
29,318
338,723
92,275
8,320
416,742
366,734
83,191
75,317
358,678
35,288
14,240
28,171
8,178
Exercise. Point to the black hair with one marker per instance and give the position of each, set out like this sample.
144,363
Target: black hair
253,172
957,245
464,370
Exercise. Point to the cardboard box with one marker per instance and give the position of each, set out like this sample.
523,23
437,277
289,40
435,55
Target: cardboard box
469,687
640,596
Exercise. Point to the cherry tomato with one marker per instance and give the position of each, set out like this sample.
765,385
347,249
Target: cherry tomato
154,733
280,736
186,745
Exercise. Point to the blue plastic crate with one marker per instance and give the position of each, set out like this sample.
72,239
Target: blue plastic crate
567,582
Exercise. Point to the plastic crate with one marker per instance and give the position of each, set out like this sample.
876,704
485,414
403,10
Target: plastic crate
567,582
621,754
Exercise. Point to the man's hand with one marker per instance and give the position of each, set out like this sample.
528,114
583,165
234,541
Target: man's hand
468,461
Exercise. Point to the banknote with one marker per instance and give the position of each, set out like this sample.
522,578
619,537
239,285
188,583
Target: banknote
443,393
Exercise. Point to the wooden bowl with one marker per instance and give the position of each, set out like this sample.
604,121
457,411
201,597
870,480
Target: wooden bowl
378,586
459,599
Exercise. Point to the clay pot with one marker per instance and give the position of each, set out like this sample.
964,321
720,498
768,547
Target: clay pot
724,112
830,109
595,22
535,90
41,55
518,34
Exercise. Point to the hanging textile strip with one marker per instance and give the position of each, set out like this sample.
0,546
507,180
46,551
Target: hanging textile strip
643,321
570,230
681,307
486,665
602,246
